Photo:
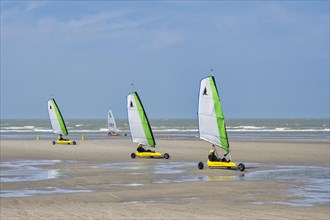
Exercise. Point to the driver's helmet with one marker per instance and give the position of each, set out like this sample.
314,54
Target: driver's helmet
211,151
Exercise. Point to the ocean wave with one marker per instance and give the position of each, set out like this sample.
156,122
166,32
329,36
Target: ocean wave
101,130
15,131
280,130
168,130
179,127
175,130
42,130
246,127
27,127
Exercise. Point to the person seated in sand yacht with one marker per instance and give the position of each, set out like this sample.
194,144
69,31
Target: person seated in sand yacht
212,156
60,138
142,149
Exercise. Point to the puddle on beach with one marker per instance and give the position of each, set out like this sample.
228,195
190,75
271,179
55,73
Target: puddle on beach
30,192
150,168
129,184
28,170
198,178
309,184
314,191
31,170
163,200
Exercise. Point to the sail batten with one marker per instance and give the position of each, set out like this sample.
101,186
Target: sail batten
138,121
56,118
212,127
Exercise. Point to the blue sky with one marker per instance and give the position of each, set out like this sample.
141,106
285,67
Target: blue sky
270,58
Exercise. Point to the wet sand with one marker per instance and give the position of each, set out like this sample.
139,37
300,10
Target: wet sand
97,179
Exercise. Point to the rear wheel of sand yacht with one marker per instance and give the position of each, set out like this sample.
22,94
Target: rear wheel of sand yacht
241,167
133,155
166,156
53,142
200,165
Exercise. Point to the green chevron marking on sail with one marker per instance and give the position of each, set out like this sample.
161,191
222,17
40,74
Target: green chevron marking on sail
219,115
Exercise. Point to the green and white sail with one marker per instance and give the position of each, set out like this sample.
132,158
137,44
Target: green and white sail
138,122
56,118
212,127
112,123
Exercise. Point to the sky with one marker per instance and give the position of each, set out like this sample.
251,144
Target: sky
270,59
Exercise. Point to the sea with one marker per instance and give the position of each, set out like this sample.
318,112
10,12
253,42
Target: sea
170,128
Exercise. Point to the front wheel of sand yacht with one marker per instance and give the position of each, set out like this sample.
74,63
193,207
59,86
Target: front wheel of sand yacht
133,155
200,165
74,143
166,156
53,142
241,167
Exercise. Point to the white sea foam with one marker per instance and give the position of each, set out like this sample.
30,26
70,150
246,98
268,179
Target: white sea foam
175,130
43,130
19,127
318,128
247,127
279,130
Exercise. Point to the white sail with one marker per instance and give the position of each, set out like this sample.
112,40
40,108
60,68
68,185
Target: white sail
211,121
112,123
56,118
138,122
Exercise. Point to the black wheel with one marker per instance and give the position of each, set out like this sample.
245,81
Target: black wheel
74,143
53,142
166,156
241,167
133,155
200,165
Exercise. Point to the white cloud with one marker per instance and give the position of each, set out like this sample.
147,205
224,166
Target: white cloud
106,25
162,38
32,5
14,9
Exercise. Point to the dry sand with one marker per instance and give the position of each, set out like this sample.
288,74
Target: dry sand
123,188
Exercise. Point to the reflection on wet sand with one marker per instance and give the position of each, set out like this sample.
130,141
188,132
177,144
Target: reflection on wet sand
313,191
28,170
44,191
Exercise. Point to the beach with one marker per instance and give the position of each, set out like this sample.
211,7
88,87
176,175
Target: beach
97,179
